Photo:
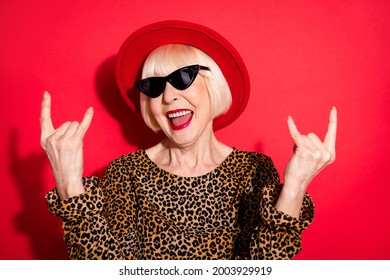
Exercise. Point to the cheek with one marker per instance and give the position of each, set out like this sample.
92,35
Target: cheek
148,105
155,106
144,105
200,94
149,111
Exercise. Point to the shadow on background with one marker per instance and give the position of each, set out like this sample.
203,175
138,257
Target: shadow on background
133,127
34,220
259,148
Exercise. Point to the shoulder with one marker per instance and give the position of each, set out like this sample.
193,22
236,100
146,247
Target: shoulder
252,159
256,164
124,167
259,168
132,159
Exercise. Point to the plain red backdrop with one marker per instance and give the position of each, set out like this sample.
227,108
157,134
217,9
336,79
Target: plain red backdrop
302,56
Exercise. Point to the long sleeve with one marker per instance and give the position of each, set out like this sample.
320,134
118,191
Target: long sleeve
98,224
279,235
267,232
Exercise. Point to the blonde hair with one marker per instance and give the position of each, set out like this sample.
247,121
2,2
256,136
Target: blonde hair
167,58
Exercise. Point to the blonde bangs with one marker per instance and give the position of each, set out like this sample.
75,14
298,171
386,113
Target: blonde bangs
165,59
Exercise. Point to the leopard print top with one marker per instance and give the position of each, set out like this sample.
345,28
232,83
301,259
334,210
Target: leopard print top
139,211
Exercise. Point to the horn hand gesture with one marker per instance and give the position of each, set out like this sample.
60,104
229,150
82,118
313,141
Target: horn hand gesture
311,155
64,148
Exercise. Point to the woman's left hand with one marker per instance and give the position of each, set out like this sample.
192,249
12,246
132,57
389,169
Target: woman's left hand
311,155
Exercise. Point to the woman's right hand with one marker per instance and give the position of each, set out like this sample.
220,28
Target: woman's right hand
64,148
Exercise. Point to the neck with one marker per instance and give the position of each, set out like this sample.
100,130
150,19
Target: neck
190,160
203,151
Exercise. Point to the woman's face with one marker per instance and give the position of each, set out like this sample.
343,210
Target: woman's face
183,115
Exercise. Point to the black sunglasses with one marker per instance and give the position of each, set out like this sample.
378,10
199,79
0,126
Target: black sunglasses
180,79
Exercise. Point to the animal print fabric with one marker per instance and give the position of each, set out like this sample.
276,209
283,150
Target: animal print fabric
139,211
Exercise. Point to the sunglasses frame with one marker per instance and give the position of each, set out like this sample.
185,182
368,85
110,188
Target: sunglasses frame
168,78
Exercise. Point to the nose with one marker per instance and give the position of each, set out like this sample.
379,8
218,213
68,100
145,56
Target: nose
170,93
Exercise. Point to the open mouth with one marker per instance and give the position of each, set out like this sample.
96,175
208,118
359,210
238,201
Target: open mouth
180,119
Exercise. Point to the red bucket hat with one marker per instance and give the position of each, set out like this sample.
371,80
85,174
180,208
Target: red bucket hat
137,47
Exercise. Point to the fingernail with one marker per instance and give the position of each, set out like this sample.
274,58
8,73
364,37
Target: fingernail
45,94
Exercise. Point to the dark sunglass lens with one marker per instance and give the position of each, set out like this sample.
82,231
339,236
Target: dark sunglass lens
152,87
183,78
143,86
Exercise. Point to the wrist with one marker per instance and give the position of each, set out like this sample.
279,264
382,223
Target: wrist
295,187
291,197
70,189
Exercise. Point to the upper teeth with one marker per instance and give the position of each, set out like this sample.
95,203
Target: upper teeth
179,114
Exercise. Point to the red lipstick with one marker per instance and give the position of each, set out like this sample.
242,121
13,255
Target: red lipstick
180,118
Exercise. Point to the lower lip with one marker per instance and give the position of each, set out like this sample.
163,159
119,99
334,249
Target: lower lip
179,127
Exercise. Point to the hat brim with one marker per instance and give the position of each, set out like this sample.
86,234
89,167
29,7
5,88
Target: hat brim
137,47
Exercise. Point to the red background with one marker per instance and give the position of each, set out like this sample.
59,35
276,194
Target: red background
302,56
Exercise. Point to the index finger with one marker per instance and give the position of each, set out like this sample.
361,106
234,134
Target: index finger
294,132
330,138
45,119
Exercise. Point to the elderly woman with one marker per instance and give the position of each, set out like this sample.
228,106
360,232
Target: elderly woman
190,196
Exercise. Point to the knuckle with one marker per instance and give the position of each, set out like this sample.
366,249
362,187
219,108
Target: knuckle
50,140
305,154
61,146
304,138
43,144
318,155
327,156
69,144
52,144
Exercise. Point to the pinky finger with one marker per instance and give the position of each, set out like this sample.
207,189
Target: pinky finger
85,123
